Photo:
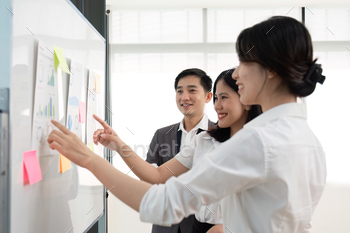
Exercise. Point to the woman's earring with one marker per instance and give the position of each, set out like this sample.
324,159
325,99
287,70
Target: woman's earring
248,107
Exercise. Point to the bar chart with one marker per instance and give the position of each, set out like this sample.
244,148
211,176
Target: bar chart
51,81
47,110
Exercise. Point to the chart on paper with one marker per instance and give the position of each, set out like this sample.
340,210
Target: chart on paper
91,109
45,101
74,93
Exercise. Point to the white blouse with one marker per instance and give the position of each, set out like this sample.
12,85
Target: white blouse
269,177
189,156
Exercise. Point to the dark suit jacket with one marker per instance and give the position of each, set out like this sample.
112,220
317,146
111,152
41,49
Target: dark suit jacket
164,146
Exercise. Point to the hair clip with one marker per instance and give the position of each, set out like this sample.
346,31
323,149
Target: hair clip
314,75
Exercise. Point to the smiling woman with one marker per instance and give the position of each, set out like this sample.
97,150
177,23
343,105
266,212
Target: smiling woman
231,113
269,176
276,78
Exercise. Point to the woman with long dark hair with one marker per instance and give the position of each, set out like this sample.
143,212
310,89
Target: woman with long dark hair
270,175
232,115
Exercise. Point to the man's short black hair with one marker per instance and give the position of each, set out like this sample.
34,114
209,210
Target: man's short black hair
206,81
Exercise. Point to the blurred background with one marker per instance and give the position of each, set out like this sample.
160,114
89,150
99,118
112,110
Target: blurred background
151,42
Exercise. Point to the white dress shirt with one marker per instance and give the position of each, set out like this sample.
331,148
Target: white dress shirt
187,138
269,177
201,145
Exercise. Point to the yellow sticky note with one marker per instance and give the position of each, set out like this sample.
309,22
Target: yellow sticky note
65,164
60,60
92,146
97,84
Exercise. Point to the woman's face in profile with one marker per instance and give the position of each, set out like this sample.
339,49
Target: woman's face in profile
250,78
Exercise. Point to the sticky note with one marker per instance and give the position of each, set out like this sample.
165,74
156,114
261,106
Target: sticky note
31,167
60,60
92,146
81,112
97,84
65,164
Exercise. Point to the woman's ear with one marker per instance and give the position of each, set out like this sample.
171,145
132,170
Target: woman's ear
247,107
271,74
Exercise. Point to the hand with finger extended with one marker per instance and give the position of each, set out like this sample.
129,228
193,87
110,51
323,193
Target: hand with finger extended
107,130
69,145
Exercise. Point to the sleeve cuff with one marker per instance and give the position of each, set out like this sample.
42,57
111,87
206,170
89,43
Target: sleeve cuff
152,210
185,156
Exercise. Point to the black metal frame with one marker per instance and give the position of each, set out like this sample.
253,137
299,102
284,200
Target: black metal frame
95,12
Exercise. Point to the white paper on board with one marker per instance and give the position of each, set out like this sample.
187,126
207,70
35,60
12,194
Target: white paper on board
91,109
74,93
45,101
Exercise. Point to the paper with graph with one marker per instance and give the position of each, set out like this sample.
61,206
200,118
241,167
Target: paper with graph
45,101
74,93
91,109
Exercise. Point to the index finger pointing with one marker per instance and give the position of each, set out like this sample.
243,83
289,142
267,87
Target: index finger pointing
60,127
102,122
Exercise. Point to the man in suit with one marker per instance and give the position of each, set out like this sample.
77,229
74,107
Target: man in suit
193,91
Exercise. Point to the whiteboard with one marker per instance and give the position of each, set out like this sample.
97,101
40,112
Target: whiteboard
60,202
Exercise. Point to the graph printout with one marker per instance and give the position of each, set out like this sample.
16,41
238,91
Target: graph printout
91,109
45,101
74,93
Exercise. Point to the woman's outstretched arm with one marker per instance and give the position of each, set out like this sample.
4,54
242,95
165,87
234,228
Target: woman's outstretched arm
140,168
216,176
126,188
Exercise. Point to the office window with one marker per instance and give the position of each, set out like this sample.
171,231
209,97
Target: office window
328,24
150,47
224,25
330,32
161,26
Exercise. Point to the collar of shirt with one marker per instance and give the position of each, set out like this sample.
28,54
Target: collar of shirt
283,110
203,124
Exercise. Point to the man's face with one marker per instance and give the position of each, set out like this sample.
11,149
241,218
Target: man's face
190,96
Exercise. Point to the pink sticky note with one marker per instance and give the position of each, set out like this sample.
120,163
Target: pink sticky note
31,167
81,112
25,175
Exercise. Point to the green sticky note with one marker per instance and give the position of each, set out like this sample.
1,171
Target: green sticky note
60,60
91,146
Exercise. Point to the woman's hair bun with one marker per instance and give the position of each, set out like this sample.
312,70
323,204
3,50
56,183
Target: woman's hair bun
309,81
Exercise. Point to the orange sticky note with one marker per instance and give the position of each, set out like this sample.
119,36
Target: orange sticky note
65,164
97,84
81,112
31,167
